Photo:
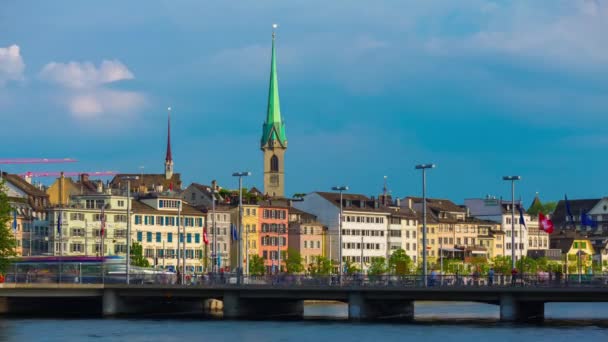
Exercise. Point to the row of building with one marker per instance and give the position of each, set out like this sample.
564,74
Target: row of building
371,227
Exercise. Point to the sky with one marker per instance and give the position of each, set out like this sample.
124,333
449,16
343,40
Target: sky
481,88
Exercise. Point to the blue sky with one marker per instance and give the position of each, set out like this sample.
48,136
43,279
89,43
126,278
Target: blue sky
481,88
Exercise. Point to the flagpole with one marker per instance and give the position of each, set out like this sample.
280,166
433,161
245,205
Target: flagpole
60,246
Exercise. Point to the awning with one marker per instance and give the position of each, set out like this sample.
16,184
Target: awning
450,249
479,252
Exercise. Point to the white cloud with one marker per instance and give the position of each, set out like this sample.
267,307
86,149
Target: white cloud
85,91
78,75
11,64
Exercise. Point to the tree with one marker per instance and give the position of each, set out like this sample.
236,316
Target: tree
351,268
378,266
256,265
502,264
320,266
7,239
479,264
137,255
294,261
400,263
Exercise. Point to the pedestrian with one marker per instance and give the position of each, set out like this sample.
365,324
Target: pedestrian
491,276
513,276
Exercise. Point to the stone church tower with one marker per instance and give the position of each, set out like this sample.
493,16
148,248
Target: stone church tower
274,141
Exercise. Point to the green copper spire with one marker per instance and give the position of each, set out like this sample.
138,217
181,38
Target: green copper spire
273,129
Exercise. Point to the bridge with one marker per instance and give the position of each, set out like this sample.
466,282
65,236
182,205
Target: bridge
285,299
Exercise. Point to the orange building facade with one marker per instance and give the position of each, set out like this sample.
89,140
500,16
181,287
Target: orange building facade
273,223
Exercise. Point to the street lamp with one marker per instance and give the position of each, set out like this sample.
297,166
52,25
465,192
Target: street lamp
423,167
340,189
128,252
239,271
512,179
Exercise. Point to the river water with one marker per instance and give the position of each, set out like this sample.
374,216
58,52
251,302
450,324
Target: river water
434,322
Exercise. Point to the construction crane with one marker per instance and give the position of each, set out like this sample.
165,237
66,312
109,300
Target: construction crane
36,161
29,175
33,161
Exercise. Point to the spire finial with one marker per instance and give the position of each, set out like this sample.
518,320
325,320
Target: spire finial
274,28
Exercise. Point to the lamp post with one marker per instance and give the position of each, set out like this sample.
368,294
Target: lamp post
128,251
512,179
214,267
340,189
423,167
239,271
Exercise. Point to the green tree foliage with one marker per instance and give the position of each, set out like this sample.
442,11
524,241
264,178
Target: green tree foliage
256,265
502,264
7,239
320,266
350,267
137,255
400,263
378,266
453,266
479,264
294,261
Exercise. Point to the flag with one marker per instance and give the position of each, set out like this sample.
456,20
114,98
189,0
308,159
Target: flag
522,221
568,211
205,239
234,232
103,223
59,223
545,223
587,220
15,220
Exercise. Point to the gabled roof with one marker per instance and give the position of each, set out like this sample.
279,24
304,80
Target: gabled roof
22,185
353,202
577,207
439,204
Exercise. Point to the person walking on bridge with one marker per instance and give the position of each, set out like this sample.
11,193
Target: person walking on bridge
513,276
491,276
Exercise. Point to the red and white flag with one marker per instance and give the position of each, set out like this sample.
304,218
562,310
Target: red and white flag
545,223
205,239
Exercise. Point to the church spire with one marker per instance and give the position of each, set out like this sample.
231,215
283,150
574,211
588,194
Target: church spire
274,129
168,157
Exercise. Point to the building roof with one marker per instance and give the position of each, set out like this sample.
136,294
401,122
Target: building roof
148,180
577,207
439,204
139,207
23,185
274,128
354,202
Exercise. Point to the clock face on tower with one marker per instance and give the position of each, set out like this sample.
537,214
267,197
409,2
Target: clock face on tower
274,180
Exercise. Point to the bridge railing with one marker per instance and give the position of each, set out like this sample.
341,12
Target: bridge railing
325,281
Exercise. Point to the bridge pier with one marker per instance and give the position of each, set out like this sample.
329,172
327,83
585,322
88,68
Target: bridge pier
513,310
365,309
237,307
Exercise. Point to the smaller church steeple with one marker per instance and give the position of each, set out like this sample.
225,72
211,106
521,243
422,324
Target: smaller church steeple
168,157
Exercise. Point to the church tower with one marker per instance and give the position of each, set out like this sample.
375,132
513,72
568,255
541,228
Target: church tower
169,157
274,141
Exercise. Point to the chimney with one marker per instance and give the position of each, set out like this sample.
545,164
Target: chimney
84,177
409,202
398,202
99,187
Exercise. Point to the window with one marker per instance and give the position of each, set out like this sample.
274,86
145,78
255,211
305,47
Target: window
77,216
120,218
139,236
189,238
158,237
78,232
197,238
148,236
305,244
318,244
181,237
137,219
121,203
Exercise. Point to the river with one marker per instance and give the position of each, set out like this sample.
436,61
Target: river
434,322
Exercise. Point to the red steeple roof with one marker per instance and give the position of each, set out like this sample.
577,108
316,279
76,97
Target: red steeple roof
169,157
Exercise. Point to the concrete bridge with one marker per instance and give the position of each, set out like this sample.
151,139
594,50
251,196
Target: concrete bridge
268,302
